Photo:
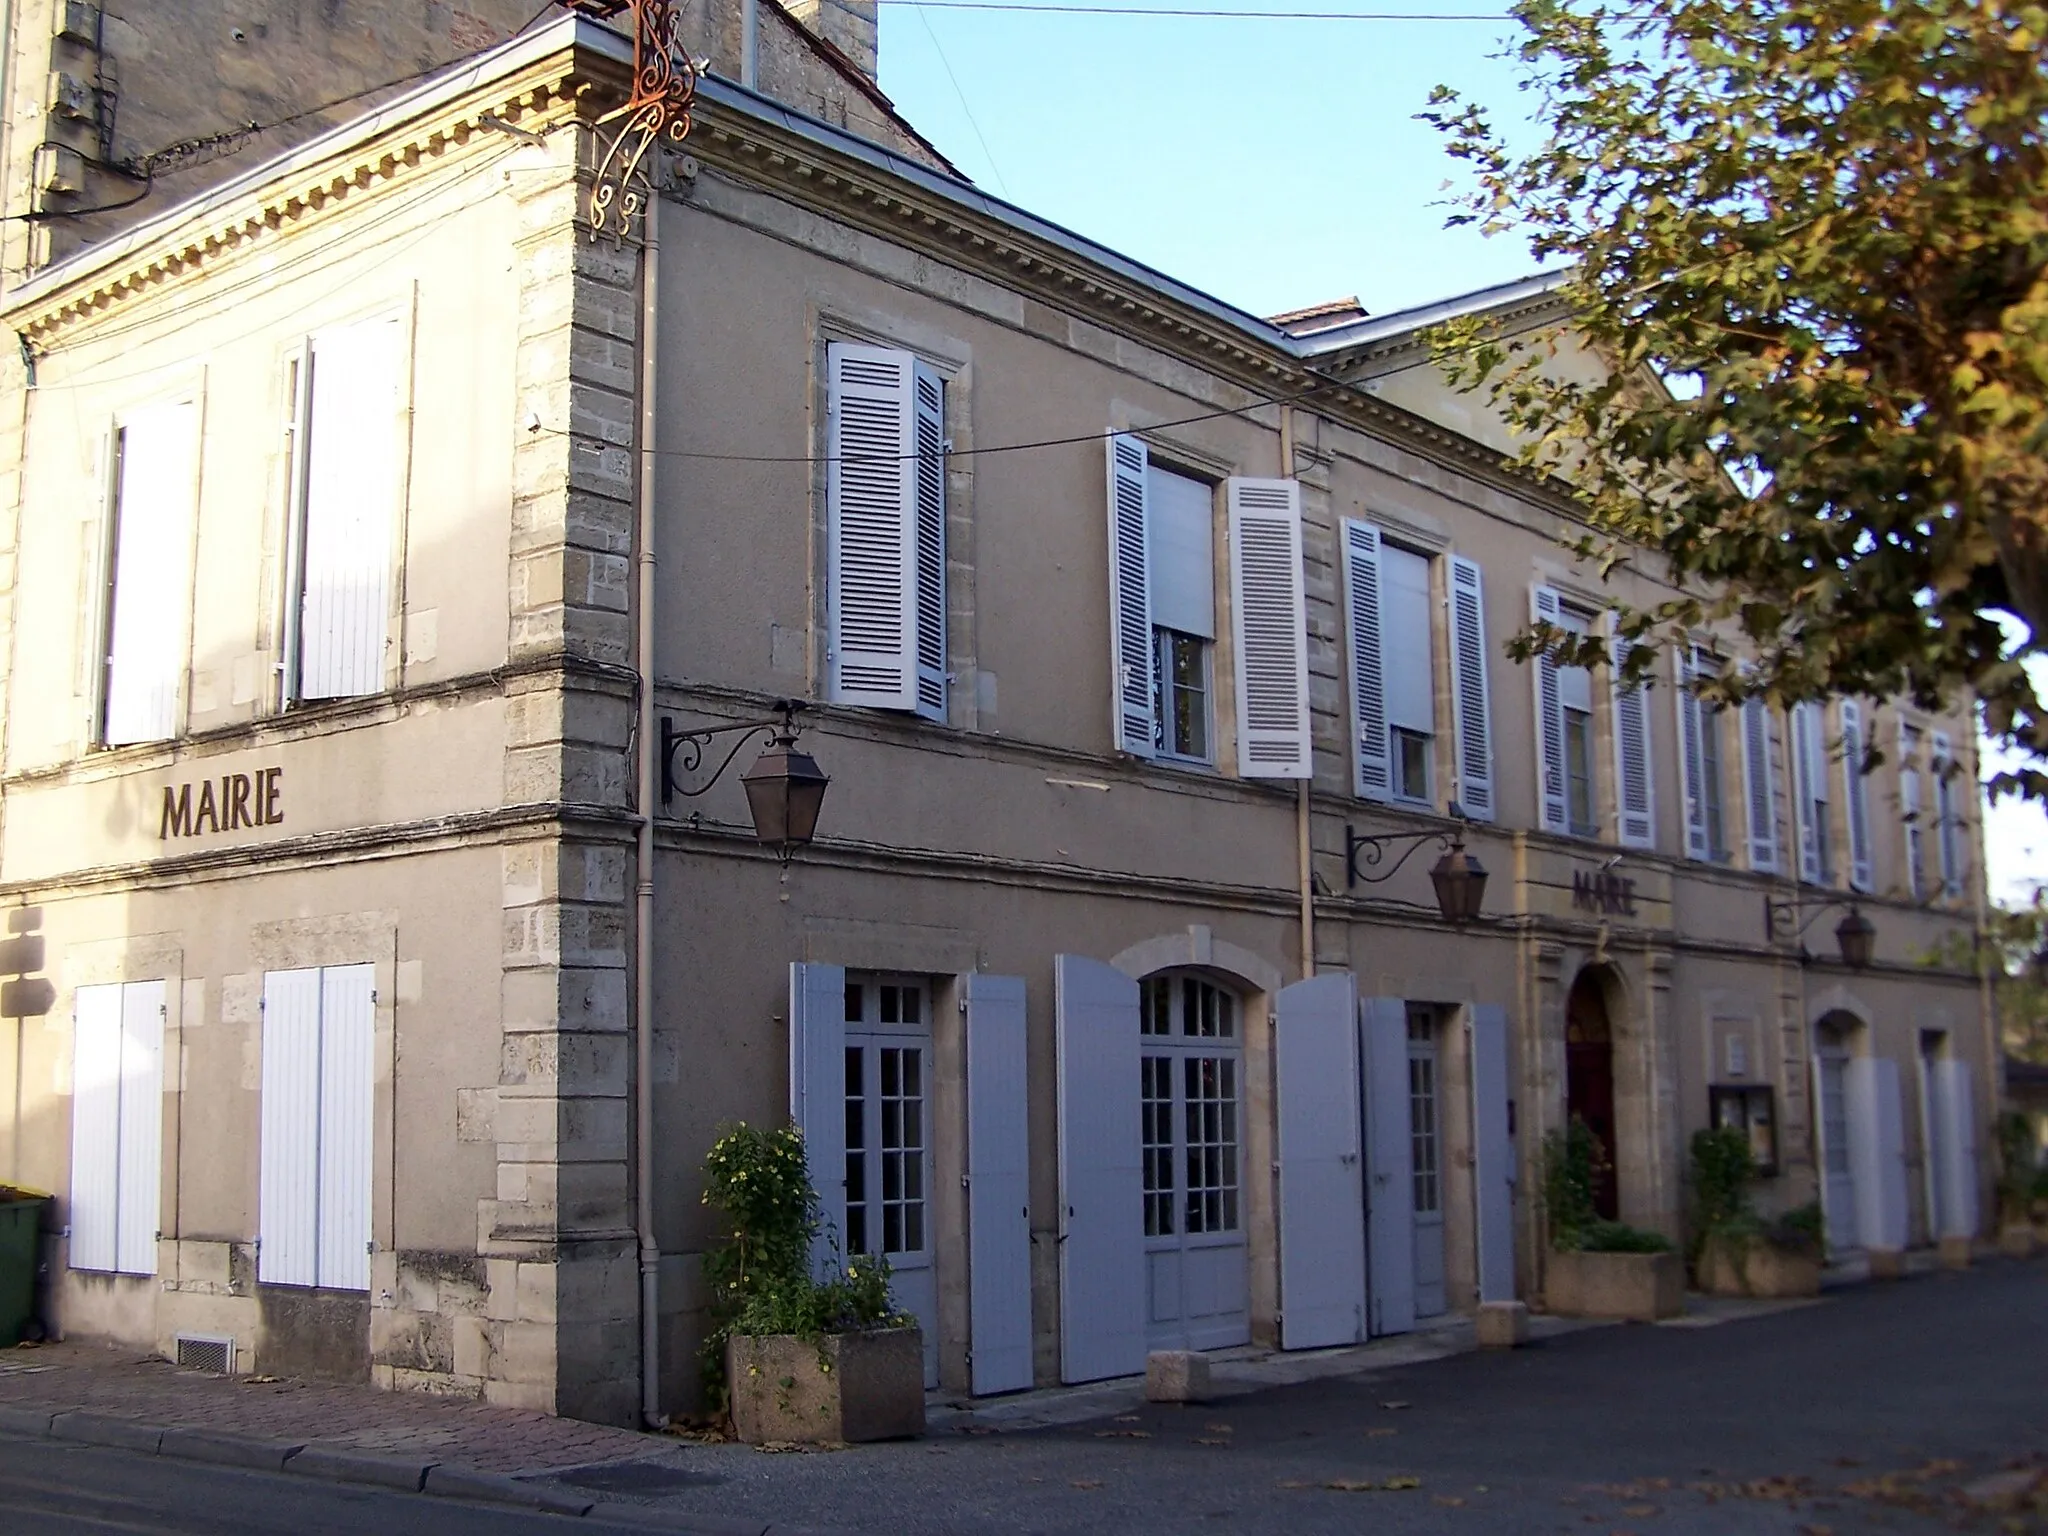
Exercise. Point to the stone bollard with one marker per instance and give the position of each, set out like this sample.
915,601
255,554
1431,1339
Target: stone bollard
1955,1252
1176,1376
1502,1324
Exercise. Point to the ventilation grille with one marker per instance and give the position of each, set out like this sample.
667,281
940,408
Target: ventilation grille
207,1352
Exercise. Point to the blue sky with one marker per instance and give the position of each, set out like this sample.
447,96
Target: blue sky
1274,163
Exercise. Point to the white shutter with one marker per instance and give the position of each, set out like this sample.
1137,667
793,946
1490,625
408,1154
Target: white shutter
1493,1171
998,1186
1130,597
817,1094
1877,1157
1807,766
1759,793
1473,709
1856,796
1372,772
1689,662
1635,792
1102,1187
288,1180
871,525
1955,1168
348,1071
351,511
1322,1222
154,485
929,552
94,1216
142,1127
1270,615
1389,1164
1545,607
1947,845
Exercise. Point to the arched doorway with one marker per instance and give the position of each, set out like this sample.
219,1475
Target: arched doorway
1191,1060
1589,1078
1831,1053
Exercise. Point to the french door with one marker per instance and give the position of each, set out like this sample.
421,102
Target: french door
1426,1161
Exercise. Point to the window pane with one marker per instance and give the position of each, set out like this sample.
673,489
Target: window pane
854,993
1578,763
1411,765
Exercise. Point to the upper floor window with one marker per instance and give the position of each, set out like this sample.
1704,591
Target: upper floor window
1180,546
1700,731
885,514
1948,816
1568,763
1810,794
147,561
1390,606
347,464
1912,742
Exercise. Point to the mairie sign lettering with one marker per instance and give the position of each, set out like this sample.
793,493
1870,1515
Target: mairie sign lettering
1603,891
226,804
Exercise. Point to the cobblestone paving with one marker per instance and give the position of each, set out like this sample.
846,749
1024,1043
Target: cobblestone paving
130,1386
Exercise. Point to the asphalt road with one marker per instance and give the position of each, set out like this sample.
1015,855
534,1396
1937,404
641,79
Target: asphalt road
1865,1413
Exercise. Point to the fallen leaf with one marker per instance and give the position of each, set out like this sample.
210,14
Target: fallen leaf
1087,1482
1351,1485
1639,1511
1123,1434
1479,1487
1402,1484
1219,1429
1395,1405
1127,1418
1295,1482
1450,1499
258,1381
1380,1430
777,1447
1211,1440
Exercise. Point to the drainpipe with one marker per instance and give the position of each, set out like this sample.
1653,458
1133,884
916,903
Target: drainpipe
643,893
1304,868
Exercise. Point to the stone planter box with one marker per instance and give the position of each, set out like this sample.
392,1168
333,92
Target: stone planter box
2018,1240
831,1391
1639,1287
1758,1270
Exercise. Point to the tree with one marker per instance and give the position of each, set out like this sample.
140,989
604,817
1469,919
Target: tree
1810,244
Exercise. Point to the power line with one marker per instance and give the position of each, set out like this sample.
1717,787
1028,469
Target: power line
1047,7
947,65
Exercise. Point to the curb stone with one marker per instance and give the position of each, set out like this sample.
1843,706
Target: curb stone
341,1465
452,1482
34,1422
229,1450
653,1517
99,1429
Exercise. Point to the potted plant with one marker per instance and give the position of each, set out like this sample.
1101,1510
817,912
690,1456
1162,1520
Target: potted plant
2017,1181
1600,1268
1736,1252
793,1357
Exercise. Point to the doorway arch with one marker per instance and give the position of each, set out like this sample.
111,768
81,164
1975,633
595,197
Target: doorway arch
1589,1012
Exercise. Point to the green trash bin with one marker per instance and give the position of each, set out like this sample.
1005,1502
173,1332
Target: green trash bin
21,1217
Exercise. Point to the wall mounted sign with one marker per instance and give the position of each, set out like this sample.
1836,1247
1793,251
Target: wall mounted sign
1602,890
240,800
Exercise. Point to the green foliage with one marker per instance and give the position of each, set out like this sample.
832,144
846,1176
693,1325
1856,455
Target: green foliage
1803,1230
760,1277
1620,1237
1573,1161
1825,224
2017,1173
1723,1169
2012,937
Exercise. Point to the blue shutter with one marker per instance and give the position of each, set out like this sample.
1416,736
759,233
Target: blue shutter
1322,1235
1955,1165
1364,608
1102,1189
1635,786
1474,709
817,1094
1390,1164
1270,617
1877,1155
1759,787
1130,597
1856,797
1689,664
1493,1171
873,464
929,538
998,1186
1546,608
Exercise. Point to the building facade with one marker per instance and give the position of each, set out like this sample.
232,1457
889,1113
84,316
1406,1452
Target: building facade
369,517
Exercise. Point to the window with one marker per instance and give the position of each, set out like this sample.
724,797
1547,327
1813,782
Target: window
1710,783
344,511
1856,796
1569,791
885,513
1910,744
1578,757
1180,512
1748,1108
1700,746
319,1070
1759,786
148,563
1810,791
1411,680
1390,608
1188,1098
1422,1112
1948,816
117,1101
888,1146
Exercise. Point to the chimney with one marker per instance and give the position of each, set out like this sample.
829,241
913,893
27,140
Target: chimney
848,25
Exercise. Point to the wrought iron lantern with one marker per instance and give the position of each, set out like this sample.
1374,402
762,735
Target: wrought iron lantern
785,786
1459,877
1855,934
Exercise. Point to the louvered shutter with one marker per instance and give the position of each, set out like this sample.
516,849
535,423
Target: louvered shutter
931,543
998,1186
152,561
1493,1163
1635,792
288,1179
1102,1182
871,511
348,1030
817,1095
1955,1168
1545,607
94,1216
1910,811
1473,709
1363,607
1389,1163
1322,1209
1877,1152
142,1119
351,510
1806,770
1130,598
1947,845
1689,662
1759,793
1856,796
1270,612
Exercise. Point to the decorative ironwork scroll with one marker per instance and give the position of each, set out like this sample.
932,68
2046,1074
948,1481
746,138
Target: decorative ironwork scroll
664,85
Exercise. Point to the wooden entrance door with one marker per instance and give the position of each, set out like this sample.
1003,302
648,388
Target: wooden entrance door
1589,1082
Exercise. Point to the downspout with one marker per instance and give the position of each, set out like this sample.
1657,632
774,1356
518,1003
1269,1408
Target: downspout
643,893
1304,867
